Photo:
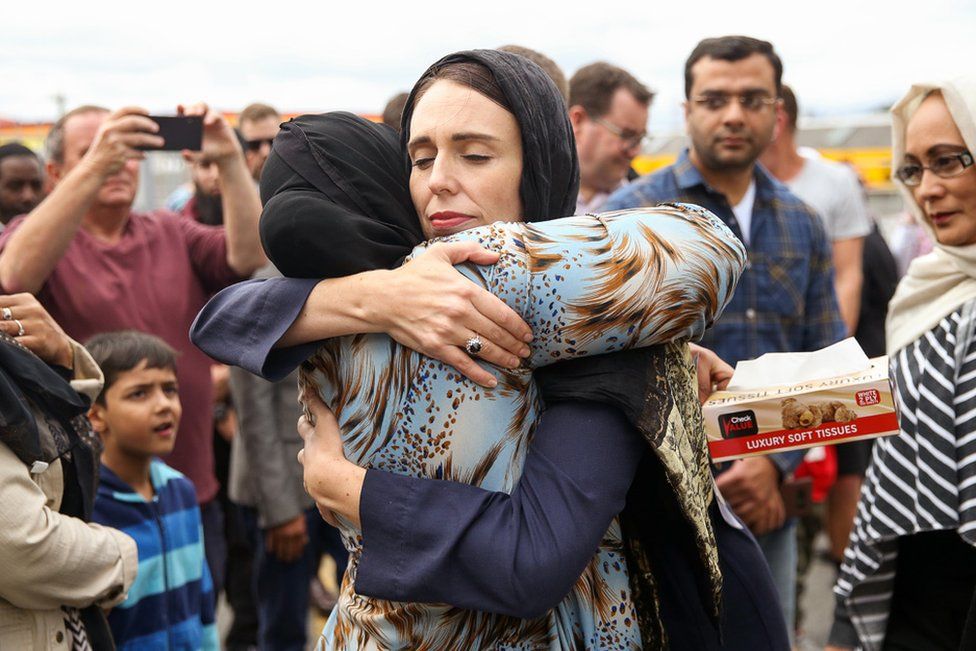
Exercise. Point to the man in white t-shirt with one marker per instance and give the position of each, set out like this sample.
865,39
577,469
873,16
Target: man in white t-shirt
833,190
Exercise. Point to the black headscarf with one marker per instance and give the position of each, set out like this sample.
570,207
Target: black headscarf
335,196
29,386
550,167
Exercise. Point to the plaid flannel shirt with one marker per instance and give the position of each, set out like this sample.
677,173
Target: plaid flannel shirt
785,300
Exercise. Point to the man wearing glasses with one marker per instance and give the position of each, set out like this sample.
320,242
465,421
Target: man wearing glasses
785,300
258,125
608,110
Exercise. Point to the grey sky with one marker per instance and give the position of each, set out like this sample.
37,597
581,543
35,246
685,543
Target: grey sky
839,55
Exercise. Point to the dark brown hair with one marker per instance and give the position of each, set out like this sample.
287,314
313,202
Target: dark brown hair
733,48
593,86
789,106
123,350
467,73
393,110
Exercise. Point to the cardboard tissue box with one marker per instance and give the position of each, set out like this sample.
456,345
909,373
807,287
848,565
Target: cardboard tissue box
788,401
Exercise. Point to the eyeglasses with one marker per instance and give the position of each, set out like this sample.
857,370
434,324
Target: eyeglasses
629,138
945,167
753,102
255,145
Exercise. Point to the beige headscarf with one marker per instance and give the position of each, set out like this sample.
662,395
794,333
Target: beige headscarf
937,283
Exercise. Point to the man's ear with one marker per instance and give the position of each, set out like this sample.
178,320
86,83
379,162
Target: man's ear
96,414
781,119
53,172
577,116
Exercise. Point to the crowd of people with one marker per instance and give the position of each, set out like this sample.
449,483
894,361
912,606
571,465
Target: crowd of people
499,438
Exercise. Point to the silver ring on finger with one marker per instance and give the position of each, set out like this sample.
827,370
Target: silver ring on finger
474,345
7,314
20,328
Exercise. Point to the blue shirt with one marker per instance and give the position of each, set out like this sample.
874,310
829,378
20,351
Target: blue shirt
171,603
785,300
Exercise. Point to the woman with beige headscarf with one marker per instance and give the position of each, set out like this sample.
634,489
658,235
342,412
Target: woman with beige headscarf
909,570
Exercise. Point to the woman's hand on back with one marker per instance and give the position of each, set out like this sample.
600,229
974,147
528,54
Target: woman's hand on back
334,482
429,306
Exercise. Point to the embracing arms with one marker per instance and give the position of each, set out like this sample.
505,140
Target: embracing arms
671,271
517,554
589,285
270,326
438,541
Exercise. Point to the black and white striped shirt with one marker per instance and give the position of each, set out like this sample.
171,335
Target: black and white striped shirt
922,479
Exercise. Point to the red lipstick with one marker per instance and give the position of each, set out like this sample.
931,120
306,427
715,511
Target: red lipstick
448,220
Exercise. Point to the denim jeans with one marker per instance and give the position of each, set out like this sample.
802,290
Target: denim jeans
214,543
779,548
282,588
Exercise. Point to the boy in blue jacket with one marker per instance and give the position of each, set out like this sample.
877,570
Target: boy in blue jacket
171,604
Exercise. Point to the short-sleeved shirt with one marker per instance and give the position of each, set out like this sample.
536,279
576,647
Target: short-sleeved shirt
155,279
833,191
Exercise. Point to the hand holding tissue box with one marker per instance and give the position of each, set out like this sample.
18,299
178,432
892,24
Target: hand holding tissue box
789,401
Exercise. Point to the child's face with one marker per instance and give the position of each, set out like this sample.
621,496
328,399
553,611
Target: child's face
141,412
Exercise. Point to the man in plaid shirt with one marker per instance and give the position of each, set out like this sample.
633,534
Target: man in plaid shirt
785,300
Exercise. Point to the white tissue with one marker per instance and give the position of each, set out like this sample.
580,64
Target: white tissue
786,369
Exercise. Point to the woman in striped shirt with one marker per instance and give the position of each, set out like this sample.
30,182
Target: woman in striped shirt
909,571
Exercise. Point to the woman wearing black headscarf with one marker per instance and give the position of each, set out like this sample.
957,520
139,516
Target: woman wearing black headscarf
619,384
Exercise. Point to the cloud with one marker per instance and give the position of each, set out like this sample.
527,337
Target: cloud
311,56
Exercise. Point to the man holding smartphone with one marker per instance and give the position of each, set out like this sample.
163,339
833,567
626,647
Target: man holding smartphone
97,266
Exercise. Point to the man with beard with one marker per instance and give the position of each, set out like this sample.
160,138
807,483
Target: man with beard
205,206
785,300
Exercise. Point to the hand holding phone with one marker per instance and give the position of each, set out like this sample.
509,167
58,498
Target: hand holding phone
219,143
122,136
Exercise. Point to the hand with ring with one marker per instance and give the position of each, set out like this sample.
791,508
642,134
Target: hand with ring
429,306
23,317
8,315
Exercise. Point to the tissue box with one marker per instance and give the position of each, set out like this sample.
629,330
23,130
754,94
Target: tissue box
827,410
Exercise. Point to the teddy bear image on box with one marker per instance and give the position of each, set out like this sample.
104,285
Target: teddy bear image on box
798,415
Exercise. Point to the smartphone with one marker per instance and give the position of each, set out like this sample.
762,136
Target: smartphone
178,132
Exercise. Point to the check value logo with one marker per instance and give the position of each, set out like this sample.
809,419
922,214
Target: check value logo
739,423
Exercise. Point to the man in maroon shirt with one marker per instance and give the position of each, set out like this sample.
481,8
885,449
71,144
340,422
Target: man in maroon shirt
97,266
